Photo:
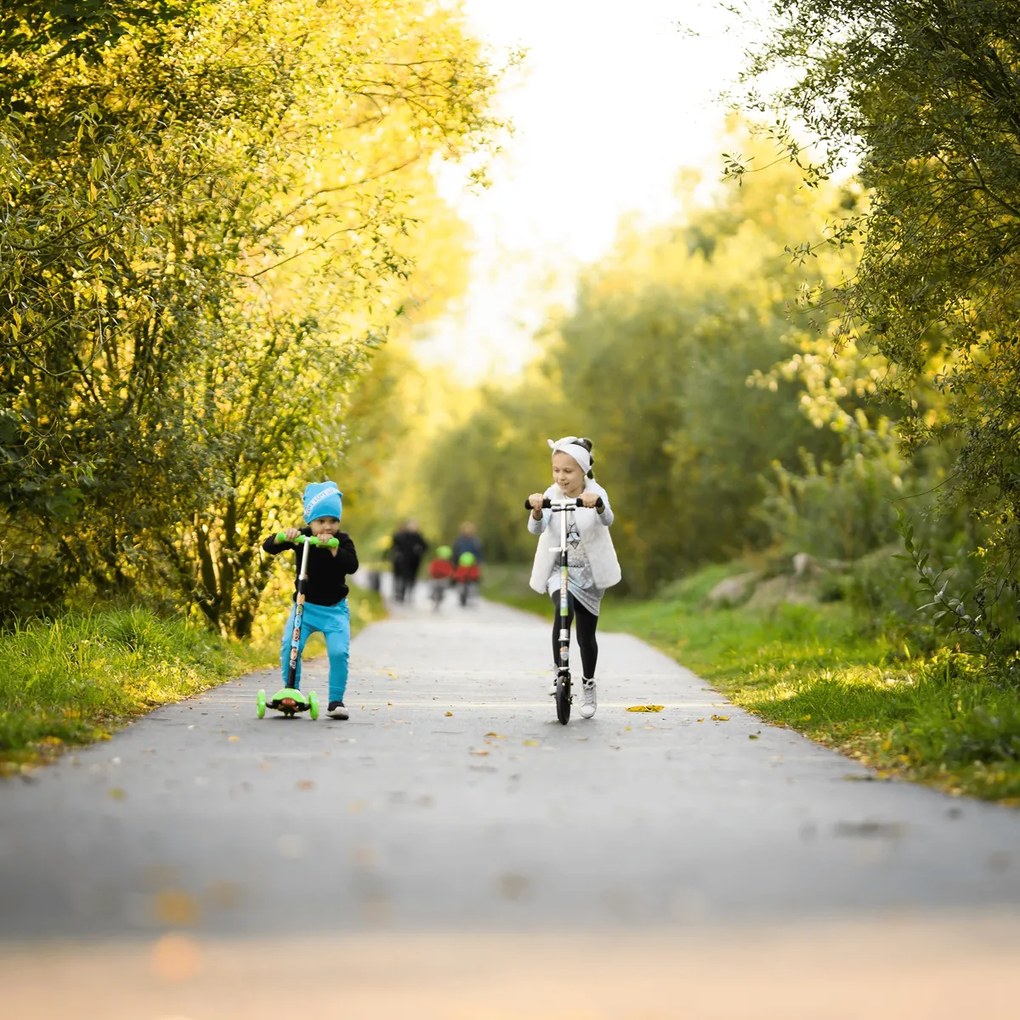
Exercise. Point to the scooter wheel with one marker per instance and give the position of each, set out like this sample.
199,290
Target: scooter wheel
260,704
313,704
563,699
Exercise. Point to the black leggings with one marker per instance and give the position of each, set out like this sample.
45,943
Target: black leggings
586,624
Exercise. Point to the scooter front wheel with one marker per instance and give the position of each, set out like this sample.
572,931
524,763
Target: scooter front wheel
260,704
313,704
563,698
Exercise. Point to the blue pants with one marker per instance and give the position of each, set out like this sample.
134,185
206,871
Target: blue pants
334,623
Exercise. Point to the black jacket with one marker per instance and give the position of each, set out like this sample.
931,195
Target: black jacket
327,574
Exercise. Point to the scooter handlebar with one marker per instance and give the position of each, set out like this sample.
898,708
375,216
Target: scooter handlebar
547,503
329,543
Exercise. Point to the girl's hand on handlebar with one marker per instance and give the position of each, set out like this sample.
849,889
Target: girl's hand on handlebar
589,499
535,500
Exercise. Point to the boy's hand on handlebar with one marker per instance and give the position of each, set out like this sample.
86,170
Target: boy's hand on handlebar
291,534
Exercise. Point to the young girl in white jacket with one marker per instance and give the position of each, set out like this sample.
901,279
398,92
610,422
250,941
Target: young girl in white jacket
592,566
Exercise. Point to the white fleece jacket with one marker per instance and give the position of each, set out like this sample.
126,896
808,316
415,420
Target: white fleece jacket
594,530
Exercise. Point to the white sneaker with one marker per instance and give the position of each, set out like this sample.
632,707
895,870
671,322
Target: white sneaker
589,704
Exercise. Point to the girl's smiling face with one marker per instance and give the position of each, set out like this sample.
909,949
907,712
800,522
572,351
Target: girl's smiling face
567,474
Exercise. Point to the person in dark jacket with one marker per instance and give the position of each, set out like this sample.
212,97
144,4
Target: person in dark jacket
407,547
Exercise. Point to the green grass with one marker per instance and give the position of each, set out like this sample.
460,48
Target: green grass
75,679
947,718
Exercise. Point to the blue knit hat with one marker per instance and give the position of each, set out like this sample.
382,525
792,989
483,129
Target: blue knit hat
322,499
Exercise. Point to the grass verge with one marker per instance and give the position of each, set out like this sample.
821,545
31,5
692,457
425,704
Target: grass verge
947,718
76,679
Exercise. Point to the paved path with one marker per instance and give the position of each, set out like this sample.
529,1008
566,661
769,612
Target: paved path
454,847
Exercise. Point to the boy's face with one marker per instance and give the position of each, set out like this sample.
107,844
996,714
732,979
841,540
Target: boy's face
327,526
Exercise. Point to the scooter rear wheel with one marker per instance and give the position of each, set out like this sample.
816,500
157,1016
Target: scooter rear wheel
563,698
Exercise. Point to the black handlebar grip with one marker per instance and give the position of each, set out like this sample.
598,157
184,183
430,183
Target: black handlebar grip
546,503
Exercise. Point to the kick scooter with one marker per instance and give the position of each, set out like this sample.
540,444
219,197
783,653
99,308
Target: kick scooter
289,700
563,694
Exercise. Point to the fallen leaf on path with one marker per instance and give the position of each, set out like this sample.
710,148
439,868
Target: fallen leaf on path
496,736
305,784
449,713
233,740
115,793
478,751
176,907
530,743
646,708
720,718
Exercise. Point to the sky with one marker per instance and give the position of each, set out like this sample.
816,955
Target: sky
614,99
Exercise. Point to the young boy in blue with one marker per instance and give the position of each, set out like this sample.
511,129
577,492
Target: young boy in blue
326,589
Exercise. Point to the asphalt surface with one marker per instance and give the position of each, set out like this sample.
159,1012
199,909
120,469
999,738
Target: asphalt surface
453,851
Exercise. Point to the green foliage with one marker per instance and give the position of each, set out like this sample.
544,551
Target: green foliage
656,362
924,99
173,176
84,27
954,601
837,509
986,734
483,468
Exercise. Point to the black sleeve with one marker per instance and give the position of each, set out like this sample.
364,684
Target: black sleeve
274,548
347,554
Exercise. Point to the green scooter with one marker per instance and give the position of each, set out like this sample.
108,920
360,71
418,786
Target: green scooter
289,700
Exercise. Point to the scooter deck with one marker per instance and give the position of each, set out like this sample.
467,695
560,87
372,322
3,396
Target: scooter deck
290,701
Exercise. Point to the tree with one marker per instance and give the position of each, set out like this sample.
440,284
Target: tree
210,209
667,333
924,97
655,363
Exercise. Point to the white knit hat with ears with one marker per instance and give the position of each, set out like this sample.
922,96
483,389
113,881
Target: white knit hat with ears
572,448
